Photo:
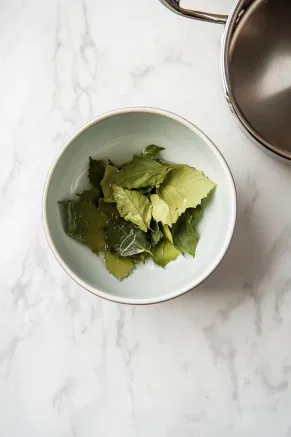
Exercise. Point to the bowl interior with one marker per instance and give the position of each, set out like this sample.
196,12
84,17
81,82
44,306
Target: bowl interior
118,137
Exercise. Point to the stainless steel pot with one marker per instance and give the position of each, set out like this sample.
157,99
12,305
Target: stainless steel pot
256,67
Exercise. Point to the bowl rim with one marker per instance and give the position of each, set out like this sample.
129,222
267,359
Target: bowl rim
182,290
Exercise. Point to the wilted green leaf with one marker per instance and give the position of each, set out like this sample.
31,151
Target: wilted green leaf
91,195
164,253
158,205
167,233
96,172
184,234
126,239
196,213
155,234
85,223
152,150
118,266
184,187
162,211
107,182
166,163
140,258
141,172
133,206
109,210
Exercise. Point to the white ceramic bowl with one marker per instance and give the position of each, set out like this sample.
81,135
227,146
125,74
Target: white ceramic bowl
118,135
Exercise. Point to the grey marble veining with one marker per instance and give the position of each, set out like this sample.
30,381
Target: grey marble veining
215,362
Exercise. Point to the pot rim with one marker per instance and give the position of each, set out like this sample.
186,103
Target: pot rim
226,38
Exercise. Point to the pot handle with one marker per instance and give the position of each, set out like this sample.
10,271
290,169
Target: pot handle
174,5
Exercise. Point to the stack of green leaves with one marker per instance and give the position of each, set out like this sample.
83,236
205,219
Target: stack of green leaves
146,208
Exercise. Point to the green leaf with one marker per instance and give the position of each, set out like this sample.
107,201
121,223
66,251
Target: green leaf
167,233
133,206
184,187
140,258
107,182
85,223
155,234
125,239
161,210
141,172
109,210
118,266
91,195
96,172
184,234
152,150
164,253
166,163
195,213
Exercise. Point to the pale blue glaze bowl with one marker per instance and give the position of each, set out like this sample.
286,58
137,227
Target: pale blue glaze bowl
118,135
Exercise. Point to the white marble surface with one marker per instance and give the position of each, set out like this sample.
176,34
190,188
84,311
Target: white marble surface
216,362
